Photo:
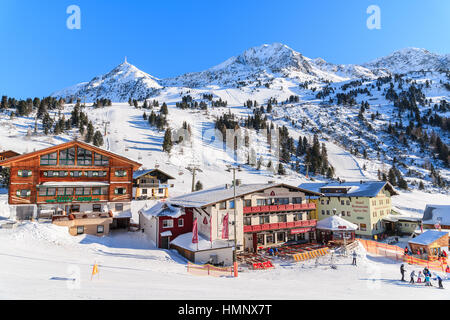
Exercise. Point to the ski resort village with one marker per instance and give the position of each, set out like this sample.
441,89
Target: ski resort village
269,176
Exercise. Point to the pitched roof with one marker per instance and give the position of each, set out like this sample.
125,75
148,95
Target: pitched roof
433,212
68,144
354,189
162,209
140,173
221,193
336,223
428,237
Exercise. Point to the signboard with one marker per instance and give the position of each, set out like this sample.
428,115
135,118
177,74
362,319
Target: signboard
72,199
342,227
301,230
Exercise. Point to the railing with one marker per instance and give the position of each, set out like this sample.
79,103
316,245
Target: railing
76,216
282,207
280,225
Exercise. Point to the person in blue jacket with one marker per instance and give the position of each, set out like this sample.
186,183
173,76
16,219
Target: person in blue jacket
439,281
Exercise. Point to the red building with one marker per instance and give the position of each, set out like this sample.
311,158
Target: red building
164,222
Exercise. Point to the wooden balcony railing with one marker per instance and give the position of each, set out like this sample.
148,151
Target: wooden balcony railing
278,208
280,225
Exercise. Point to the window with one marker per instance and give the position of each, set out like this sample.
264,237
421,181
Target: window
120,191
282,218
104,191
261,202
75,208
247,221
248,203
100,160
23,193
49,159
160,191
297,200
51,191
168,223
322,202
67,157
42,192
323,212
69,191
343,213
100,229
348,214
84,157
181,222
61,191
232,204
328,212
97,208
374,213
76,174
80,230
328,201
223,205
96,191
380,202
24,173
363,227
144,191
119,207
86,191
279,201
79,191
298,216
120,173
342,202
348,202
264,219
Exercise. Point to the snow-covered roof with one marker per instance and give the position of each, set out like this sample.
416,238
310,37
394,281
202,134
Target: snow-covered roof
353,189
336,223
428,237
433,212
140,173
221,193
123,214
162,209
166,234
397,217
185,241
74,184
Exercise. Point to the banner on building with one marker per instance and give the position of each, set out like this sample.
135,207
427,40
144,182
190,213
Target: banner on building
225,227
195,232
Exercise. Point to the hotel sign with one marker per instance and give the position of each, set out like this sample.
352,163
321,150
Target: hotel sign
72,199
301,230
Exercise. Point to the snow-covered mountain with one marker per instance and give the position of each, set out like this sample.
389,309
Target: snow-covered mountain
255,67
123,82
267,62
411,59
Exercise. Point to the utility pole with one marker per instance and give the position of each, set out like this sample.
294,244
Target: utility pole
307,164
193,168
238,168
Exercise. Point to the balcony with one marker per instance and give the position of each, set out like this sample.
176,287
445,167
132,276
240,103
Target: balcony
280,225
280,208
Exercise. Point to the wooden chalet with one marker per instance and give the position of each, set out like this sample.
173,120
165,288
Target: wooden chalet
71,178
8,154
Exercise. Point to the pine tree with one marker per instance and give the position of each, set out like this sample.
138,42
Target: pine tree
198,186
98,139
167,143
164,109
89,133
281,170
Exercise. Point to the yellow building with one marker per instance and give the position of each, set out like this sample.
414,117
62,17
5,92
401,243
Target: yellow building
151,184
364,203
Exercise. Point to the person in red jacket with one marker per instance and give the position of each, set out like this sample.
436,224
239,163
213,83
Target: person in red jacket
447,270
406,250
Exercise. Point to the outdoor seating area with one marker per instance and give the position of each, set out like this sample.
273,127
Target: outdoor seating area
263,258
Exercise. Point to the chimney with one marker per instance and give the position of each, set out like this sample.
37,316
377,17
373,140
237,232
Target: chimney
238,182
270,182
227,186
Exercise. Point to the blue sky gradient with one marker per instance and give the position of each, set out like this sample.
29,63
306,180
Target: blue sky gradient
167,38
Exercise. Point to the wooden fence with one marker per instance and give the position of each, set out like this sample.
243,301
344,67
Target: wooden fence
310,254
209,270
397,253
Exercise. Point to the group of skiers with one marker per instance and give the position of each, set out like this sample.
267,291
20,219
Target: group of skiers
427,277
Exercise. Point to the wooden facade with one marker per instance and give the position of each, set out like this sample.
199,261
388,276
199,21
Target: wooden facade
70,177
151,184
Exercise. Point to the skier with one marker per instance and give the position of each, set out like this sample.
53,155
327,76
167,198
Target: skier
271,251
413,274
419,277
406,251
439,281
427,280
354,258
402,271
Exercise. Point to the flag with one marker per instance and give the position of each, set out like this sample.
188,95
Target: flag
94,270
421,228
225,227
205,221
195,232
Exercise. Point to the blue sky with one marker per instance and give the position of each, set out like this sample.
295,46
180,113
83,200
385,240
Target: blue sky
39,54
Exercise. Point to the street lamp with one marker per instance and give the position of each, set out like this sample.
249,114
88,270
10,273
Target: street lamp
234,168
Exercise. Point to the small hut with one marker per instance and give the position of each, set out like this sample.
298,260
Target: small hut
335,229
430,242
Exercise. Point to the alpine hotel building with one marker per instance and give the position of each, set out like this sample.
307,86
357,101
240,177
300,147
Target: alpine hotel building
71,178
